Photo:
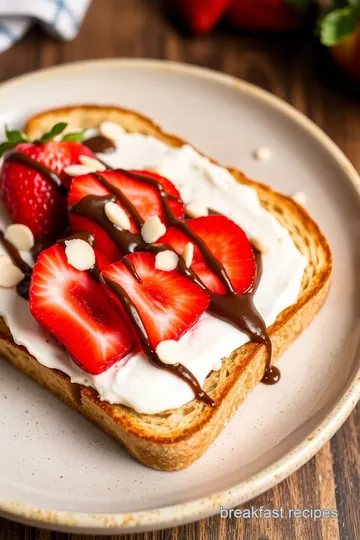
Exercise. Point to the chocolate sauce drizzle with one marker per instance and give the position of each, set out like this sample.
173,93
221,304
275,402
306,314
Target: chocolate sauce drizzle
238,310
100,144
53,178
232,307
137,323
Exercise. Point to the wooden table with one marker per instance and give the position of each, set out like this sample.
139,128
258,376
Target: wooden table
294,68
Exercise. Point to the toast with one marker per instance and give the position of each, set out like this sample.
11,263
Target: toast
174,439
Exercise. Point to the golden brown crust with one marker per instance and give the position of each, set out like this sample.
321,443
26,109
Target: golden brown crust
174,439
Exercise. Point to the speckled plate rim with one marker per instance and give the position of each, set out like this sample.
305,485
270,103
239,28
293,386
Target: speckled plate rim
270,476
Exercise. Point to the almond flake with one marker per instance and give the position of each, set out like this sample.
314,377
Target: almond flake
80,254
196,209
20,236
262,154
170,352
10,275
217,366
188,254
152,230
259,245
92,162
300,198
166,260
79,170
111,130
117,215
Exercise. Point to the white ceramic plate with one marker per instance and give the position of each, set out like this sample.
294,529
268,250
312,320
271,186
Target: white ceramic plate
56,469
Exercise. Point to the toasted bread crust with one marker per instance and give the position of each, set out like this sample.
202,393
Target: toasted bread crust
174,439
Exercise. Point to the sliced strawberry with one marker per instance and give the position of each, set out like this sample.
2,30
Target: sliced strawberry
144,197
72,307
227,242
168,303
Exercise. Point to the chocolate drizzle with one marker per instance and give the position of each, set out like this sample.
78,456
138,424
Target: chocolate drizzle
137,323
23,159
100,144
23,287
238,310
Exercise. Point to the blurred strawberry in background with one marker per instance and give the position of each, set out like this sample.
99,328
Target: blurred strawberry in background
199,15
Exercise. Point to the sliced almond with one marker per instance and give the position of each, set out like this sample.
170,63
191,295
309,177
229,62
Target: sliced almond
117,215
166,260
300,197
188,254
10,275
170,352
111,130
217,365
79,254
196,209
79,170
152,230
20,236
262,154
92,162
259,245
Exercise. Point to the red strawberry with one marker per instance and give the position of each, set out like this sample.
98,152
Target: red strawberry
227,242
30,197
72,307
199,15
144,197
168,303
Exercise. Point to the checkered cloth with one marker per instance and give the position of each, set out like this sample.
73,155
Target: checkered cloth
61,18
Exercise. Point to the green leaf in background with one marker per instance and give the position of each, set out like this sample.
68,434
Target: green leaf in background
337,25
55,130
78,136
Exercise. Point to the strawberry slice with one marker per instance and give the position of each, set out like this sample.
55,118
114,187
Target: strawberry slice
143,196
72,307
227,242
168,303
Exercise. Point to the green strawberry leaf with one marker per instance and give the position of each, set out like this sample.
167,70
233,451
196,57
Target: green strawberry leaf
338,24
50,135
13,138
77,136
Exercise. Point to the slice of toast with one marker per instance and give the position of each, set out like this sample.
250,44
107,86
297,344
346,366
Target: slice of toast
174,439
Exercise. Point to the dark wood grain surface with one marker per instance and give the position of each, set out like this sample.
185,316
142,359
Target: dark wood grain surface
296,69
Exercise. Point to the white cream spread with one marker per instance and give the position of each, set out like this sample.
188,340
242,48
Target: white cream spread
136,383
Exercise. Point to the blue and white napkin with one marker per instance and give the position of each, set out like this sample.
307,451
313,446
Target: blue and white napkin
61,18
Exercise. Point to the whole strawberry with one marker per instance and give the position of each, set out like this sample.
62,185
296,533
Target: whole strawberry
30,196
